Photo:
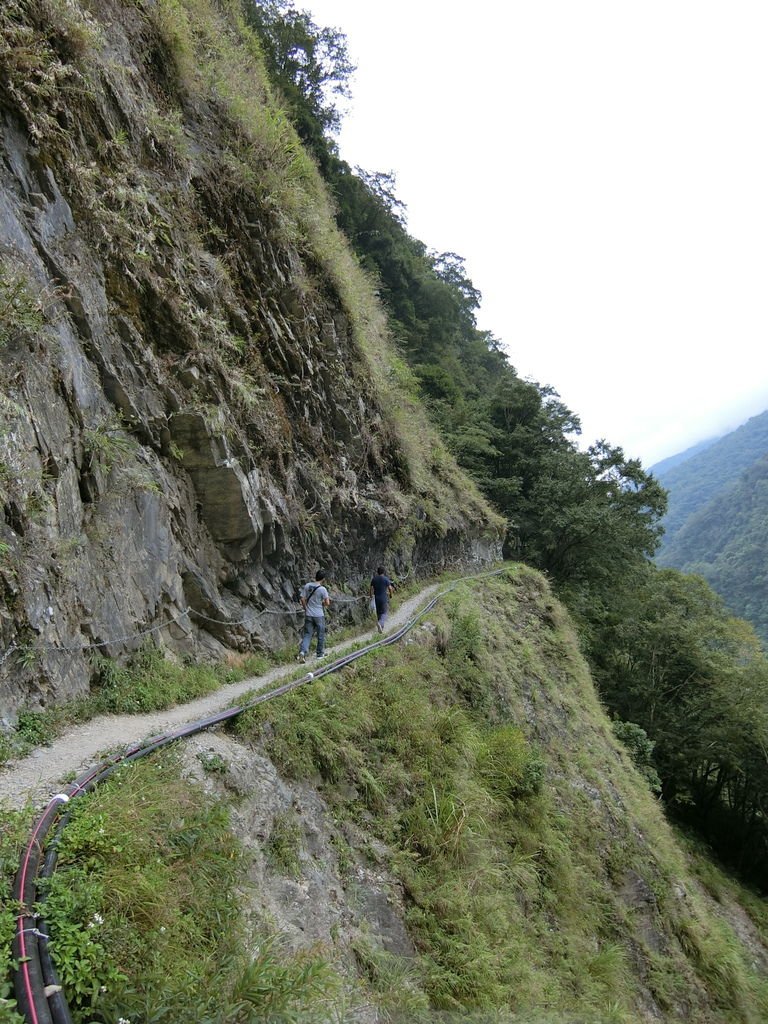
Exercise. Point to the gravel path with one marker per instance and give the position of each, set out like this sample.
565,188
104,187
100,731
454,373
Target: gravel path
38,776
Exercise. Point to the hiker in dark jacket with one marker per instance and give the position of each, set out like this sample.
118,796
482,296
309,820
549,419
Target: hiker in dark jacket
382,589
314,600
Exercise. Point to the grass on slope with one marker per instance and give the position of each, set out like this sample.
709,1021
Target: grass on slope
540,874
146,912
151,682
541,880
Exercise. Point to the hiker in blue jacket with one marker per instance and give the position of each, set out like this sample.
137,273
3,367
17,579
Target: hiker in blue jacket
314,600
382,589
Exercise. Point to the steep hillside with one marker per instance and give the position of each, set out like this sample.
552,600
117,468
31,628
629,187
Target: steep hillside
698,480
449,828
715,526
198,403
660,469
726,542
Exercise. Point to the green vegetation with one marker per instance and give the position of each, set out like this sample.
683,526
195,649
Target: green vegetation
580,516
590,519
715,526
150,682
108,444
22,312
725,541
541,882
153,682
146,912
669,658
212,762
284,844
697,481
513,855
310,63
478,754
640,749
14,829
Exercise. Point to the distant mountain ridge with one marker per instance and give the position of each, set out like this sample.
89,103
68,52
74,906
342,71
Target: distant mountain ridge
717,523
661,468
695,482
727,543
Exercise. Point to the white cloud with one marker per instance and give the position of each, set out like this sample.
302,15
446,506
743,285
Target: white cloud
601,166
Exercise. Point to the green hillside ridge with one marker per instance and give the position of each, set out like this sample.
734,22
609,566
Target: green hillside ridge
726,542
474,775
661,468
698,480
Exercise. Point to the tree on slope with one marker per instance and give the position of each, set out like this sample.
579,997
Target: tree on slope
309,63
672,660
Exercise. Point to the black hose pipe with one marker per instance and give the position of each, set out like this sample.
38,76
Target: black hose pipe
57,1003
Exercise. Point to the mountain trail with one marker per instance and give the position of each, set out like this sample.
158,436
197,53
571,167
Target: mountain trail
36,777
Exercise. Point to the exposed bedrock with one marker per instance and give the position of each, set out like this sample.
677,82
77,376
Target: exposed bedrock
188,424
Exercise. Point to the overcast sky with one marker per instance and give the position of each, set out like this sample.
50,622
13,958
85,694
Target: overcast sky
602,166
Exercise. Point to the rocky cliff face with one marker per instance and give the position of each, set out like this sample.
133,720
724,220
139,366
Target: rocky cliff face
197,407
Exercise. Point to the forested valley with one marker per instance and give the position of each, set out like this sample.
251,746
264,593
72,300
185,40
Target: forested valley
688,681
715,526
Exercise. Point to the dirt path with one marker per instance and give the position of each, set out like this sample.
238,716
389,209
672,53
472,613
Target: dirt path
37,777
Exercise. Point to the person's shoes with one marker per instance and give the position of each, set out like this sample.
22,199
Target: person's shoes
301,658
379,627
